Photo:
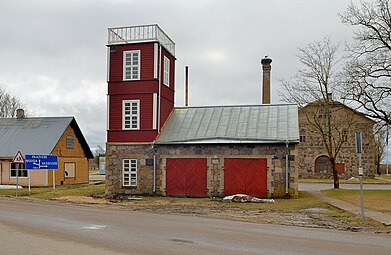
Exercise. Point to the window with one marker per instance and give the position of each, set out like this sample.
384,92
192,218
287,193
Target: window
131,65
19,169
166,71
70,142
129,172
302,136
131,114
70,170
324,113
344,135
323,165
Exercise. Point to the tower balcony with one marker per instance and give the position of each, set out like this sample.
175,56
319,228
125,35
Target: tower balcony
137,34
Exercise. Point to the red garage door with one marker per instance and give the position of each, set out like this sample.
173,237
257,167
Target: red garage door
245,176
186,177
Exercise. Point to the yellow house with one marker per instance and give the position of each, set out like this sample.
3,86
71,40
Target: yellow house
59,136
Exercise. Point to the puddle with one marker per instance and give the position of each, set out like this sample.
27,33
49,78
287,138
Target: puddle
94,227
316,209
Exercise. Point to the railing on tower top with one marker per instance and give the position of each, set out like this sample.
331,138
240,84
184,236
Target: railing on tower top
121,35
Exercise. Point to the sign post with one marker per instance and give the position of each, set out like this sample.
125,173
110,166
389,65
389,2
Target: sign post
360,171
18,159
43,162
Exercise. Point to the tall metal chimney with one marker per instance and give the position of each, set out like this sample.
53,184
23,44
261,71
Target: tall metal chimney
266,67
187,86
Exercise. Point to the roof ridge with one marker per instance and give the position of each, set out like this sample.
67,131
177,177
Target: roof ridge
223,106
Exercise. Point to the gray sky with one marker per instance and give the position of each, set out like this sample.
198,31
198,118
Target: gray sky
53,54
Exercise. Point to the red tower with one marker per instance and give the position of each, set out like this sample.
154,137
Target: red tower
141,82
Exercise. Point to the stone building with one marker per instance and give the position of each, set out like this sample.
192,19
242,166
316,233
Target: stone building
154,148
212,151
313,158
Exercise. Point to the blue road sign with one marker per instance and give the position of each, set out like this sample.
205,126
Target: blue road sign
41,162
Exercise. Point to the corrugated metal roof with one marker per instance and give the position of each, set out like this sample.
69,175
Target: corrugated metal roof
31,135
232,124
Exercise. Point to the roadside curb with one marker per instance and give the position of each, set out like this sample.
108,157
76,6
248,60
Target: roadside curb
374,215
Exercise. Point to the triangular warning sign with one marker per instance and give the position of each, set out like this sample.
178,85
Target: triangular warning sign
18,159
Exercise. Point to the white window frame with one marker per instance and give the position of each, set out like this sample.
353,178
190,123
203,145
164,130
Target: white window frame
166,71
131,66
128,115
70,168
129,172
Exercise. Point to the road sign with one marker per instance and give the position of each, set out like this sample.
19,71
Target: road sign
358,142
18,159
41,162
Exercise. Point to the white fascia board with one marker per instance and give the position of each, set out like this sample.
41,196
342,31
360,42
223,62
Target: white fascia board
154,111
155,60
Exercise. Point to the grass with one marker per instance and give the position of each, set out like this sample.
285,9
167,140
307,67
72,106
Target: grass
47,193
386,176
376,200
281,205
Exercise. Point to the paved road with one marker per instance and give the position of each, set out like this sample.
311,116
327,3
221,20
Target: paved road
51,228
322,186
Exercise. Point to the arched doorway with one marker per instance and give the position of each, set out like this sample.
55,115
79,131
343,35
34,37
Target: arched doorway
323,165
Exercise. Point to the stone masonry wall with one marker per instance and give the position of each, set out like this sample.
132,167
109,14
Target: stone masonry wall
313,148
215,155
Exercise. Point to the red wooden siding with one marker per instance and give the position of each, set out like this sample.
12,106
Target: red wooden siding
146,61
167,107
245,176
133,87
142,90
186,177
115,114
137,136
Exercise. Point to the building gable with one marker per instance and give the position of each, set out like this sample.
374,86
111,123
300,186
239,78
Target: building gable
37,135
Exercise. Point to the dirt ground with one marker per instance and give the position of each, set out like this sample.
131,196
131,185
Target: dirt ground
314,217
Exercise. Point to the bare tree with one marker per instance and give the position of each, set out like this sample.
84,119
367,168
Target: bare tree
380,145
312,88
368,70
9,104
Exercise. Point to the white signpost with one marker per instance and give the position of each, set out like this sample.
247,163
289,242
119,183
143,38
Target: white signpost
360,171
18,159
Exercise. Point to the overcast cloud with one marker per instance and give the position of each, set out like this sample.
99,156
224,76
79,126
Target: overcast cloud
53,54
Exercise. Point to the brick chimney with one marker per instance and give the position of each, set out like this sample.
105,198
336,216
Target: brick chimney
266,67
19,113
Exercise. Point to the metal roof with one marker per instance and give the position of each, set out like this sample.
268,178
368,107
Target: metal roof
232,124
33,135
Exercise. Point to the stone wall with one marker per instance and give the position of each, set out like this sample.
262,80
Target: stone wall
311,146
215,155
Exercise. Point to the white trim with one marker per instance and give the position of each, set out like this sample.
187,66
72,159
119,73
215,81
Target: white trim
129,177
108,65
155,59
160,89
131,65
130,114
166,71
108,112
154,110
